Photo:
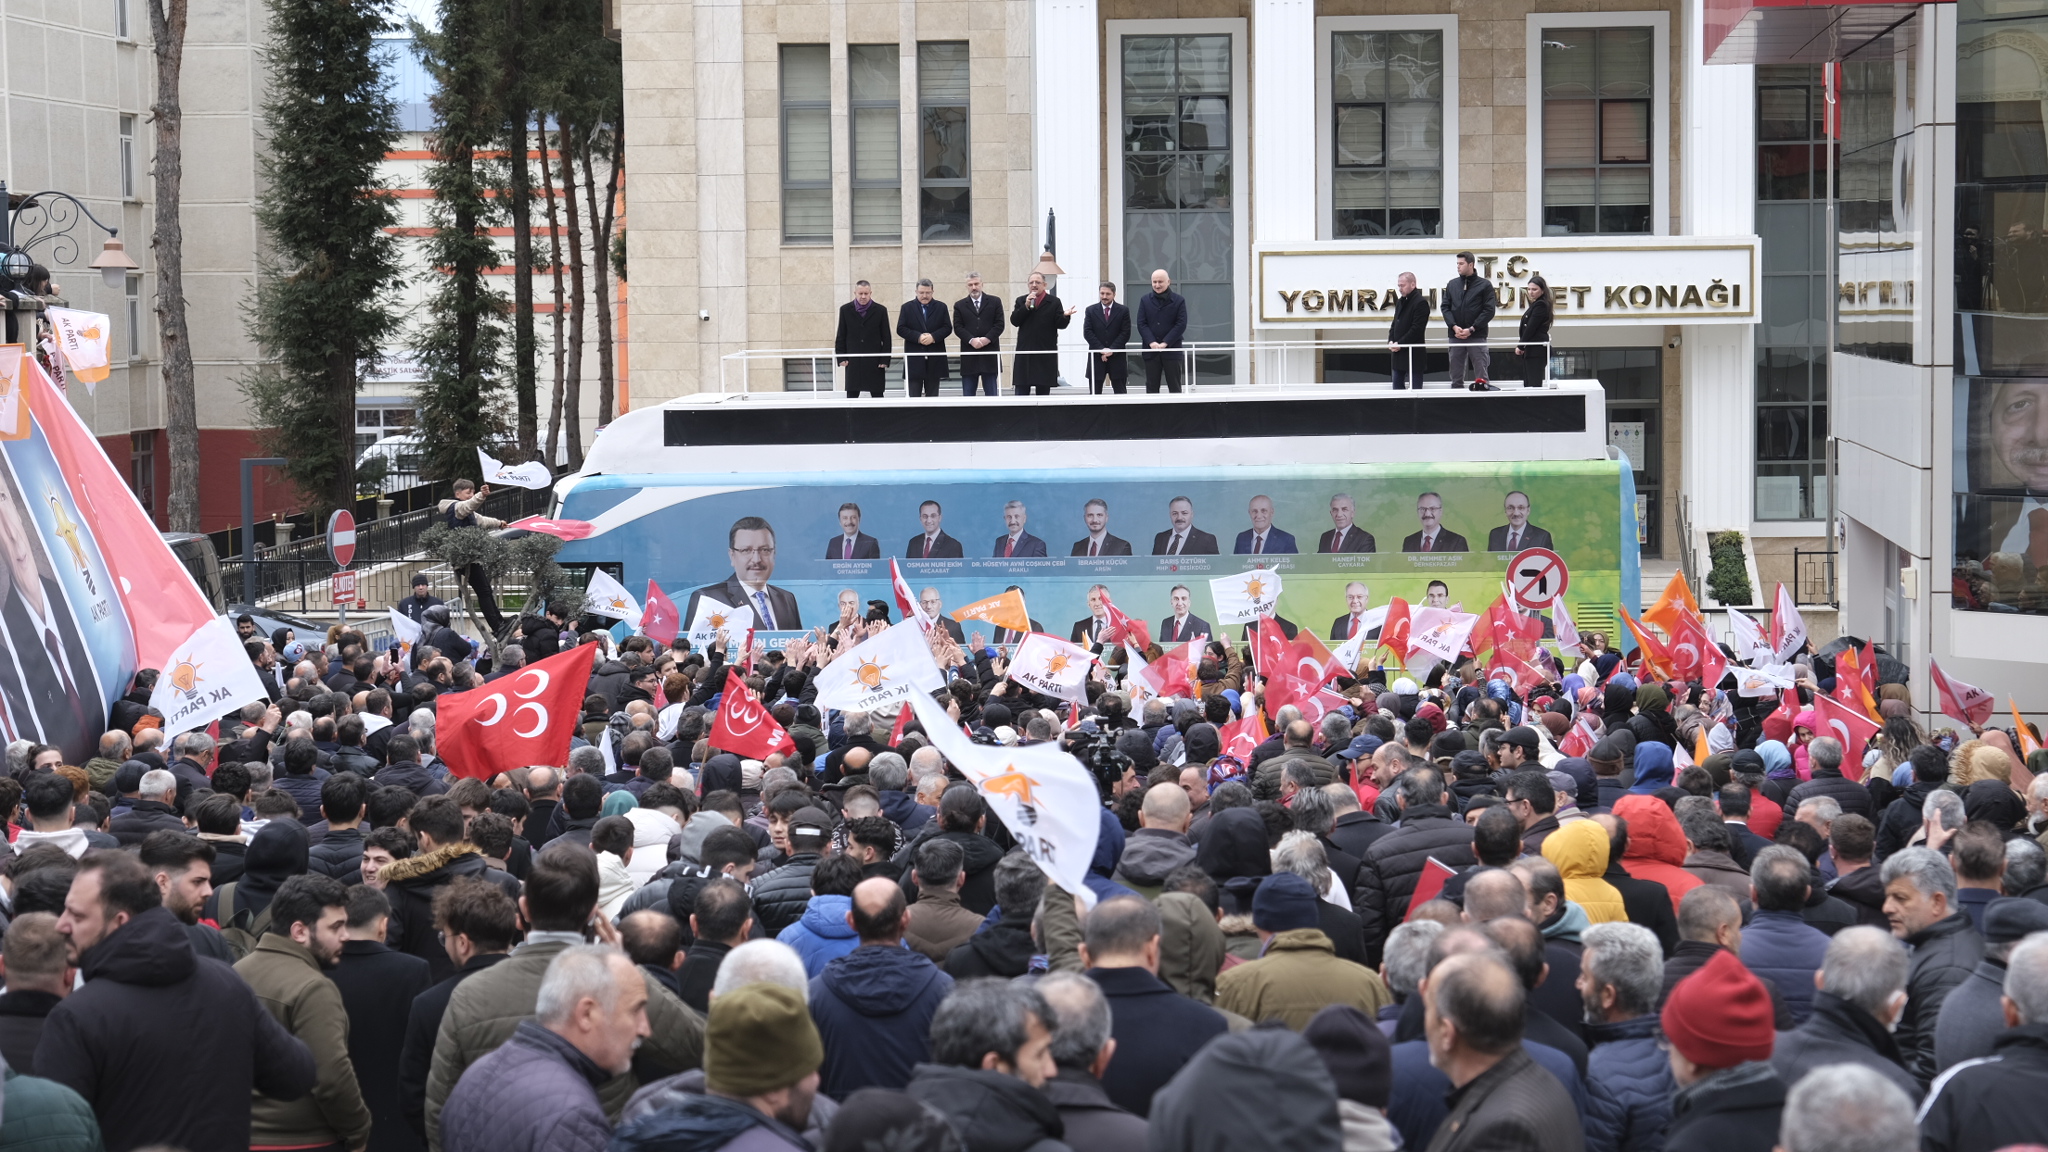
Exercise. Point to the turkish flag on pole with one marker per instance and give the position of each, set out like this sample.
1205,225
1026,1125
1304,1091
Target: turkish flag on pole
1121,629
1851,727
1966,702
522,720
1394,633
906,600
659,619
743,726
1578,741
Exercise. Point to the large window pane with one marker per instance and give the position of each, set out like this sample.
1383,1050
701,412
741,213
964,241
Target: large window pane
806,144
1178,176
944,203
1387,130
872,74
1597,142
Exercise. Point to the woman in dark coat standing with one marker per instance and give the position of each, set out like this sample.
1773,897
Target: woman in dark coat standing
1533,353
1038,318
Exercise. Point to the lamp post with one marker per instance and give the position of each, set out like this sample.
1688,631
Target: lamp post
49,218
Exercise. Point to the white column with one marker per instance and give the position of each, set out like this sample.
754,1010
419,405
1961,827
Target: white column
1283,150
722,190
1066,127
1716,107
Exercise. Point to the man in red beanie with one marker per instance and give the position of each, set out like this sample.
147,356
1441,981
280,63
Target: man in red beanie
1718,1023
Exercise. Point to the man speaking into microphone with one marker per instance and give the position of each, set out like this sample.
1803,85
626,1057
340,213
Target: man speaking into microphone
1038,318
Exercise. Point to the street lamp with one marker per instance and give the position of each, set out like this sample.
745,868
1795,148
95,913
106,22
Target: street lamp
50,218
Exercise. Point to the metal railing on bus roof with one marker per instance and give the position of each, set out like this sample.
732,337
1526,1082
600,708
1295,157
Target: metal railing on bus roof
1283,360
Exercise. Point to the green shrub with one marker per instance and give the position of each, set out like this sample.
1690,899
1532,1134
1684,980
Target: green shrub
1728,579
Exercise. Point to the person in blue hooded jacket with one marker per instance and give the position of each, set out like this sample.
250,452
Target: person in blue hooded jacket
1653,768
874,1005
825,931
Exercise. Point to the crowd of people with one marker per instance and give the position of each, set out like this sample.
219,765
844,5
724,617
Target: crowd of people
1408,922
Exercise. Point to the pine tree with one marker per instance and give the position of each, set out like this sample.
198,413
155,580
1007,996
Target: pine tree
461,343
321,309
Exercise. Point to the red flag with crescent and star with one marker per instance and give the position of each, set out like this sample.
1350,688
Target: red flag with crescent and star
743,726
518,721
659,620
1851,727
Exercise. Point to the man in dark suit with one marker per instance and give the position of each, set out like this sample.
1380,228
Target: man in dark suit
1162,322
1357,598
1088,632
57,691
1346,536
1015,541
1408,331
934,606
1288,628
932,543
1183,539
1434,537
1107,326
1038,318
978,322
852,543
1183,624
751,547
1517,533
924,324
1098,541
863,327
1262,538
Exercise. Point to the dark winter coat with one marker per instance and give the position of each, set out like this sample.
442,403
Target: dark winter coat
422,1026
1785,948
781,895
1626,1062
1648,904
1736,1110
1513,1105
991,1111
1394,863
1853,797
1093,1122
142,818
873,1007
1900,820
1973,1108
411,884
338,854
22,1013
1002,949
378,987
1971,1020
536,1093
1839,1032
978,890
126,1041
1157,1031
1863,891
1944,954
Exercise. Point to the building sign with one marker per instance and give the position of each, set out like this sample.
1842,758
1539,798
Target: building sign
1593,279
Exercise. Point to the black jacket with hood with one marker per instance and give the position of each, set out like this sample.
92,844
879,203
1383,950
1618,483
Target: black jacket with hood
165,1045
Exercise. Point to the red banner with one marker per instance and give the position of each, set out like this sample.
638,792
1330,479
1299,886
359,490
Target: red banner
522,720
744,726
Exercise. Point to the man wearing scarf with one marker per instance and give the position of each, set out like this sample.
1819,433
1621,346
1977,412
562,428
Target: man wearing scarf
863,328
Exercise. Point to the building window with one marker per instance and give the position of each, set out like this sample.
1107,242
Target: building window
142,469
127,157
1791,339
376,422
1179,182
133,300
945,203
1387,128
807,144
872,72
120,19
1597,91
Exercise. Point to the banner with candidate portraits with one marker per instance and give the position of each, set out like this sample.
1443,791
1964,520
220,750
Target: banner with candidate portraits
2001,495
802,550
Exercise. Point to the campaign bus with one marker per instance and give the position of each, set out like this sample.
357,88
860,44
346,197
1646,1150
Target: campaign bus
784,502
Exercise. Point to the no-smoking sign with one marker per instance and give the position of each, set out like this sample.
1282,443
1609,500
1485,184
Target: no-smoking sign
1537,578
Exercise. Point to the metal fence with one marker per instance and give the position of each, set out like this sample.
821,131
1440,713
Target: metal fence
387,555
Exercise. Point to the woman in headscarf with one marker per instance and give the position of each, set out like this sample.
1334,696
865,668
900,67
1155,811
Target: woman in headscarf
1617,706
618,804
1803,726
1653,768
1652,723
1779,775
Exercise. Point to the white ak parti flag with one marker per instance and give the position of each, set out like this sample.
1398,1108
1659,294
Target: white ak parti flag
207,676
407,633
83,338
532,474
1244,598
1040,793
1440,632
885,667
712,616
607,597
1052,666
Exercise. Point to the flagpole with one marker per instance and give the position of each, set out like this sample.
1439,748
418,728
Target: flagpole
1830,92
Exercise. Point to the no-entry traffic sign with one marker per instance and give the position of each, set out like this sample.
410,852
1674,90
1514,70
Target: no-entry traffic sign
1537,578
341,537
